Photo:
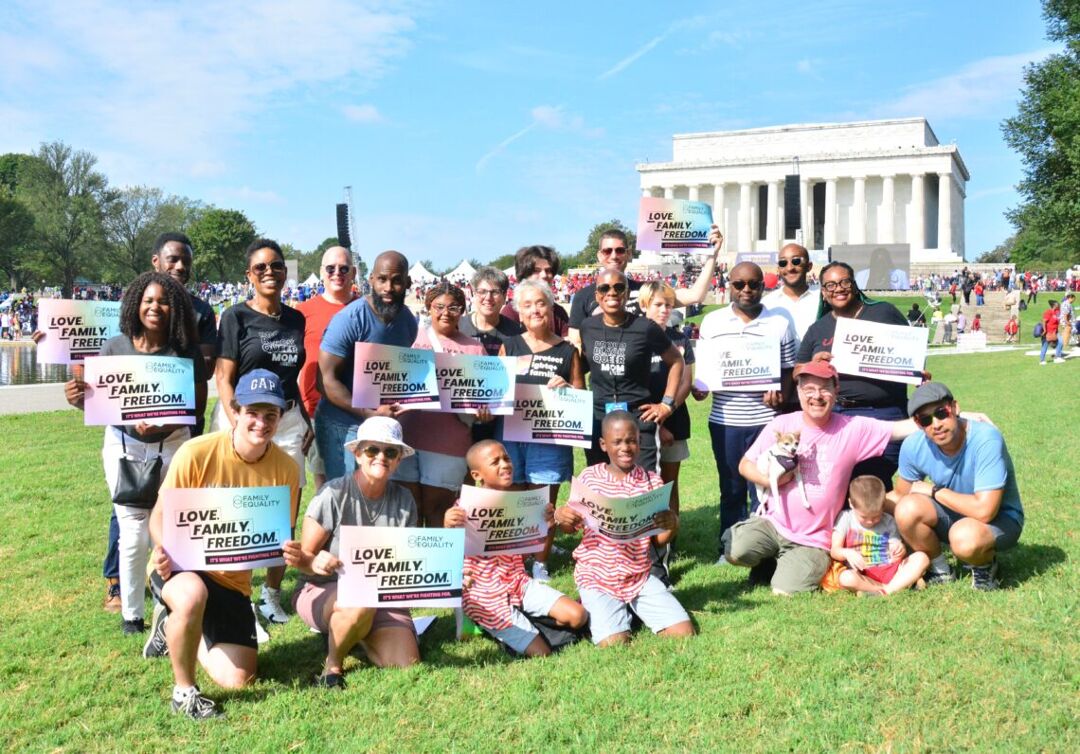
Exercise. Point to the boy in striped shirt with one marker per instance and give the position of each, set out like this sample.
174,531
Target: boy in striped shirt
496,592
613,577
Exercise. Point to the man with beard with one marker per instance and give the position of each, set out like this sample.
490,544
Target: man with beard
737,417
337,273
794,299
380,317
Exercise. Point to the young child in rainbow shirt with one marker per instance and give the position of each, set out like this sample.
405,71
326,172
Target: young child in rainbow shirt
496,592
613,577
866,539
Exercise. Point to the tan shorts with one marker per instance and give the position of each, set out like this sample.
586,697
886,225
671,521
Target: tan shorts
311,600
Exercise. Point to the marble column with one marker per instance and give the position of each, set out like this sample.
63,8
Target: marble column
887,222
830,212
772,217
719,212
693,193
857,221
646,192
746,240
917,216
944,215
669,192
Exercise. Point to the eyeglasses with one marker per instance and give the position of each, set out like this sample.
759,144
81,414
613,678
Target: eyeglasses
740,284
340,269
616,250
260,267
794,262
488,293
388,453
844,285
813,392
452,308
941,413
604,288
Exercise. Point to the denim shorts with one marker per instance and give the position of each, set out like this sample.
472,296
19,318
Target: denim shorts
432,470
330,437
539,463
655,605
537,601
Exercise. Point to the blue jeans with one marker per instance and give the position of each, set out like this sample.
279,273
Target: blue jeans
885,465
729,446
331,436
110,567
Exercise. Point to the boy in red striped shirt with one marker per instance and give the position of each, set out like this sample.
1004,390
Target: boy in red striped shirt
613,577
496,592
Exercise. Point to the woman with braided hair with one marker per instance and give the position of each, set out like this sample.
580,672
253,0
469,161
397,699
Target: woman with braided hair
156,319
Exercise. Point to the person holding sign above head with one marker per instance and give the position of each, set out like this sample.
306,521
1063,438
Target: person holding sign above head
618,348
207,616
859,395
612,576
380,317
266,334
544,358
497,593
738,415
435,473
156,319
615,254
366,497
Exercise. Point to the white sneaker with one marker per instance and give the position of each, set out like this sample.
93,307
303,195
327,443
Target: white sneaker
540,572
1042,363
1058,360
723,561
260,633
271,605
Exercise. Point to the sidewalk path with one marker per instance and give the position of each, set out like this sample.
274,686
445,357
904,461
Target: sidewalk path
29,399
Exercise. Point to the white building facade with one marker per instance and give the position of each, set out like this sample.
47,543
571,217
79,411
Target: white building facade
886,181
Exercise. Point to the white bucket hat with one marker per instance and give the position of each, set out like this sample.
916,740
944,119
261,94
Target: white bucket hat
380,429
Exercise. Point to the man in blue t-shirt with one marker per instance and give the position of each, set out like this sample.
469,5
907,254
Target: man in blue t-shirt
957,485
379,317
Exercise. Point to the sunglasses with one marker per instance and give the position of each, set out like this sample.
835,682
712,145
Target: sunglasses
941,413
260,267
373,450
453,308
740,284
794,262
844,285
604,288
616,250
340,269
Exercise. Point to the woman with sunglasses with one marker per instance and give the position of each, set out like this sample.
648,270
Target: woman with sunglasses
367,497
435,473
858,395
263,333
618,348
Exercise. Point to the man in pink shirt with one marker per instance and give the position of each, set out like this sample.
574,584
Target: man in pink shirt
795,529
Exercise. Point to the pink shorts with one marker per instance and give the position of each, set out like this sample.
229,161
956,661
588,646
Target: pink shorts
310,604
882,574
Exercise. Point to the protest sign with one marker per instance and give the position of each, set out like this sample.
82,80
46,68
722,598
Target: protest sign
75,330
383,375
389,566
744,363
620,518
894,353
498,522
551,416
668,224
468,383
133,389
225,528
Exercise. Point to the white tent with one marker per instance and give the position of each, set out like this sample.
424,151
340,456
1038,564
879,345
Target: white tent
463,270
510,271
312,280
420,274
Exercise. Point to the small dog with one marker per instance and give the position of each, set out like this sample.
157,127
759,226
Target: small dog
775,462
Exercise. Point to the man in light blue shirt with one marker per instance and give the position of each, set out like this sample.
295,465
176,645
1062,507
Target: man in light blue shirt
957,485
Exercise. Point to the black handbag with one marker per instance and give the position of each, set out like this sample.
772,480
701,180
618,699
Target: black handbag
138,481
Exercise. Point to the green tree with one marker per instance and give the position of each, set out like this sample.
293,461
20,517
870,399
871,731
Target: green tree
135,219
16,231
68,200
999,254
219,237
1046,133
506,260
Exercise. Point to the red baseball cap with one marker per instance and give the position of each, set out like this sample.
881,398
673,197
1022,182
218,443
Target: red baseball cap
822,369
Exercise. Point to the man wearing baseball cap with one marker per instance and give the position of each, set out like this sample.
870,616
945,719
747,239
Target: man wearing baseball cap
956,484
796,528
207,615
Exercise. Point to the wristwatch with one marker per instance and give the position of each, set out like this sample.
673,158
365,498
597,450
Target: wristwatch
668,401
935,491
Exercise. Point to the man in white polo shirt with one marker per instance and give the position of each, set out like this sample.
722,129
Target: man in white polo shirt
736,418
794,299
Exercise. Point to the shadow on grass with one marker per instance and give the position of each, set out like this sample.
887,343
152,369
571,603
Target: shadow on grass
1026,561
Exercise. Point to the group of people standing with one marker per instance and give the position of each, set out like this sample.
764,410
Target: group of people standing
284,378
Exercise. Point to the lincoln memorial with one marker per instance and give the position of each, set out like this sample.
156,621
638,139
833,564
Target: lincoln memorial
867,182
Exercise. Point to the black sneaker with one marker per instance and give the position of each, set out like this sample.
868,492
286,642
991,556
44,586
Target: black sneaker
197,707
331,681
933,578
155,644
132,627
985,578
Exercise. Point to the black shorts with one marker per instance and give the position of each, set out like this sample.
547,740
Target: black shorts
228,617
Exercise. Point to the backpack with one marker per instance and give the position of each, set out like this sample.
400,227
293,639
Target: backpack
1038,331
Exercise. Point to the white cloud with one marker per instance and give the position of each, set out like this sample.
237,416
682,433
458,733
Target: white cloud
245,195
363,113
551,117
632,57
981,88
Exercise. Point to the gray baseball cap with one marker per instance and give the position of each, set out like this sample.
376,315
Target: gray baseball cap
927,393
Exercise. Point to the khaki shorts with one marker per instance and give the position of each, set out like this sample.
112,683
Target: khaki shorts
798,568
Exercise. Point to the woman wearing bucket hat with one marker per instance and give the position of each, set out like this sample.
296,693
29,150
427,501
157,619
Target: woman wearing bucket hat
366,497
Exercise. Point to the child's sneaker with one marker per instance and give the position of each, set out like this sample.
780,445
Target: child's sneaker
271,605
985,578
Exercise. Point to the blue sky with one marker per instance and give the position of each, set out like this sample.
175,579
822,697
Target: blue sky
470,129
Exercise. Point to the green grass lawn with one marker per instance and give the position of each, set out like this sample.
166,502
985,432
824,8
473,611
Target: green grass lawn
941,670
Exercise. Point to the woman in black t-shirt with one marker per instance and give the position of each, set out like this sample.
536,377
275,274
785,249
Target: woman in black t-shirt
618,348
263,333
544,358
